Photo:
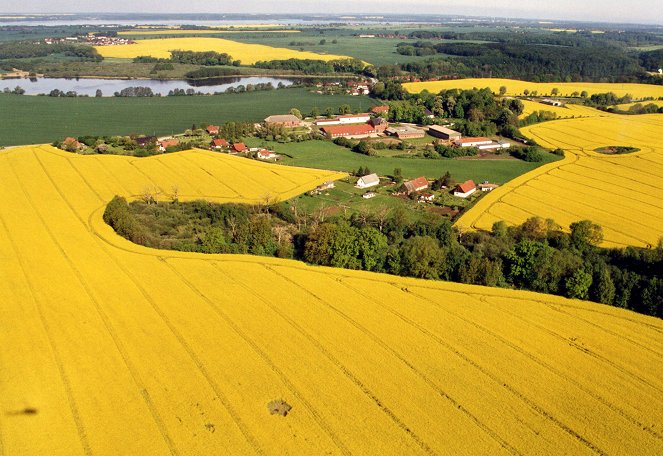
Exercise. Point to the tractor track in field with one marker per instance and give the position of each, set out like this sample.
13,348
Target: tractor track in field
181,340
74,408
260,352
122,351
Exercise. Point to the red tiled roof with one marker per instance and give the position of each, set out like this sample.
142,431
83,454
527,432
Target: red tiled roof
476,139
416,184
220,143
466,186
169,142
212,129
349,130
240,147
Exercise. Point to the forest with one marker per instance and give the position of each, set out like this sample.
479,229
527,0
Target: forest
537,255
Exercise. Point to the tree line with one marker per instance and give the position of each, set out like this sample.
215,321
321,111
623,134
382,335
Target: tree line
538,63
537,255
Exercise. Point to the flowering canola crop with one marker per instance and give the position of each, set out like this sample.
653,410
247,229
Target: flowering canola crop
619,192
113,348
248,54
518,88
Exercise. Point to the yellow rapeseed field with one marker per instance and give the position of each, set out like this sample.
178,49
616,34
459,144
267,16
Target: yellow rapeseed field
620,192
626,106
568,110
517,88
248,54
109,348
198,32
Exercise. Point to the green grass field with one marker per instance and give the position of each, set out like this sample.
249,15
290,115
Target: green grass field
327,155
31,119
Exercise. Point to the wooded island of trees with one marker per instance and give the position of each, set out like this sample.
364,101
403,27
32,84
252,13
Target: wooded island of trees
537,255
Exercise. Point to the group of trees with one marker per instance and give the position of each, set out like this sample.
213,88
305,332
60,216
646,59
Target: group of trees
312,66
206,58
31,49
135,92
476,112
207,73
582,56
537,255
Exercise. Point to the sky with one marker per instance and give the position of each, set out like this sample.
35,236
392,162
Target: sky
641,11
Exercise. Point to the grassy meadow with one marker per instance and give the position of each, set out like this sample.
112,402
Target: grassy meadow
32,119
326,155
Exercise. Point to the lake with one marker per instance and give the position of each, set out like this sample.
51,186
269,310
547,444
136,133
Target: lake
108,87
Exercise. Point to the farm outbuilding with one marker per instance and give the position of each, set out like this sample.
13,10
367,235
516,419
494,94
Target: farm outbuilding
441,132
370,180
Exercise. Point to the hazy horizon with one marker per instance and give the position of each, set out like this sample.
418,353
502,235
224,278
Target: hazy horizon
638,11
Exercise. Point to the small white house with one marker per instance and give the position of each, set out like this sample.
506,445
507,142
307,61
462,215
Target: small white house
368,195
370,180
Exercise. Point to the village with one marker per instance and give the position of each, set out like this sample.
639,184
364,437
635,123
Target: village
444,195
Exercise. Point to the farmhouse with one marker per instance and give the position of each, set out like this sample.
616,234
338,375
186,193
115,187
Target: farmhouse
465,189
166,143
264,154
381,109
212,129
285,120
416,185
441,132
370,180
217,144
368,195
239,148
405,132
350,131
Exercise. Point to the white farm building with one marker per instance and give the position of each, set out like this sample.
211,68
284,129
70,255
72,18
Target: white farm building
370,180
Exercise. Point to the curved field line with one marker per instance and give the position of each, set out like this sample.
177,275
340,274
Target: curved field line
187,158
492,434
582,203
261,353
109,326
586,178
550,368
581,349
573,216
353,378
80,173
190,352
58,359
539,409
528,355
